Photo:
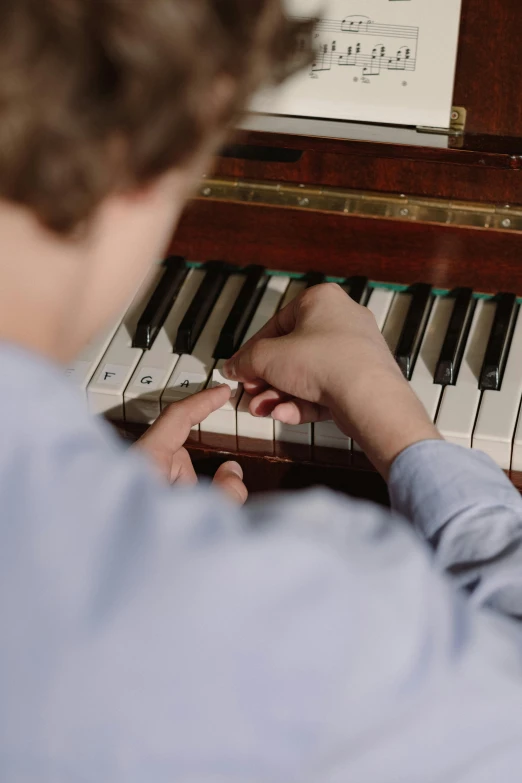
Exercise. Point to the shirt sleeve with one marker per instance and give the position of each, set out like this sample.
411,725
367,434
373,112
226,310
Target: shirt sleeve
161,634
470,513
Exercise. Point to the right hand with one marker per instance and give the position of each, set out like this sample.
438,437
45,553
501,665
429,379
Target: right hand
323,357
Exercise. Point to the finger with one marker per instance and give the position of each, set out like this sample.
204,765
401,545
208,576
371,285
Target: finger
182,470
172,428
263,404
283,322
242,366
229,477
300,412
252,362
255,387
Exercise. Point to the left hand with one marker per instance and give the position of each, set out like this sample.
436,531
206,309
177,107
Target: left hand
164,443
323,357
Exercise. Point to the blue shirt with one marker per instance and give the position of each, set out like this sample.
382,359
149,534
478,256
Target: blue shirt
159,634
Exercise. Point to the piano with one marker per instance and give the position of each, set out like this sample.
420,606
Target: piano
422,226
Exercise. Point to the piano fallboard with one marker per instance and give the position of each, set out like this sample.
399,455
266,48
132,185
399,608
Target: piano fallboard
390,236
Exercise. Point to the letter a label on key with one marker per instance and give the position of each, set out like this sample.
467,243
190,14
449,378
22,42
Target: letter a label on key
189,383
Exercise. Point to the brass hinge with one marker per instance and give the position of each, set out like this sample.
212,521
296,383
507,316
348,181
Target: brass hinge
504,217
456,129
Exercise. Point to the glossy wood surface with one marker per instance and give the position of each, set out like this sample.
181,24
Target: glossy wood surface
418,171
354,477
488,78
294,467
339,245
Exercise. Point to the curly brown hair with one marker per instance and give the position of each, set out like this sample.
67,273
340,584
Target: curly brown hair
76,75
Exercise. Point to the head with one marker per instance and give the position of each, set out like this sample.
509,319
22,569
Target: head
110,112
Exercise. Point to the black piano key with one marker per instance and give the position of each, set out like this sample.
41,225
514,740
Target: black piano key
413,329
499,341
357,288
314,278
242,313
454,343
201,307
160,303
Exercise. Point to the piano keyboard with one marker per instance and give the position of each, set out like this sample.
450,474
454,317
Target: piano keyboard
461,352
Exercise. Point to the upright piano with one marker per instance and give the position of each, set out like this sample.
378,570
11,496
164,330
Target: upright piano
424,226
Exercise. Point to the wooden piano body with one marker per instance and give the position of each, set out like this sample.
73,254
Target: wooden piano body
396,212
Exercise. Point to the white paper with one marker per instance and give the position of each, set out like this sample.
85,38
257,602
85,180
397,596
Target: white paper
385,61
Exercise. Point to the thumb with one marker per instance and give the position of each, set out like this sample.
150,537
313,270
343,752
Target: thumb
172,428
229,477
253,361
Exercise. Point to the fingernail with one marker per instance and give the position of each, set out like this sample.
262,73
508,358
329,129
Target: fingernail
236,468
228,371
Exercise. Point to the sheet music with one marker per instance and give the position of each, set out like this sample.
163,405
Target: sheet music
385,61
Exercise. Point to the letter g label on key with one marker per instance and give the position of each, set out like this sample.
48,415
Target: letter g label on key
148,379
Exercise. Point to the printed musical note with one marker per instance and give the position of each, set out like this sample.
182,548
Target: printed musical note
363,25
372,59
382,61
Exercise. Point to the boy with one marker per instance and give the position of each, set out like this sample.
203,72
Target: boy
164,633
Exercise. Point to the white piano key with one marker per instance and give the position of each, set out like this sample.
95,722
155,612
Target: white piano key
105,390
267,308
253,428
327,434
295,288
218,379
270,303
459,406
379,304
193,370
224,421
288,433
142,397
498,412
516,458
85,365
293,433
428,392
395,319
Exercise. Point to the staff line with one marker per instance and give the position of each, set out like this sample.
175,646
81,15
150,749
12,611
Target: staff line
367,28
